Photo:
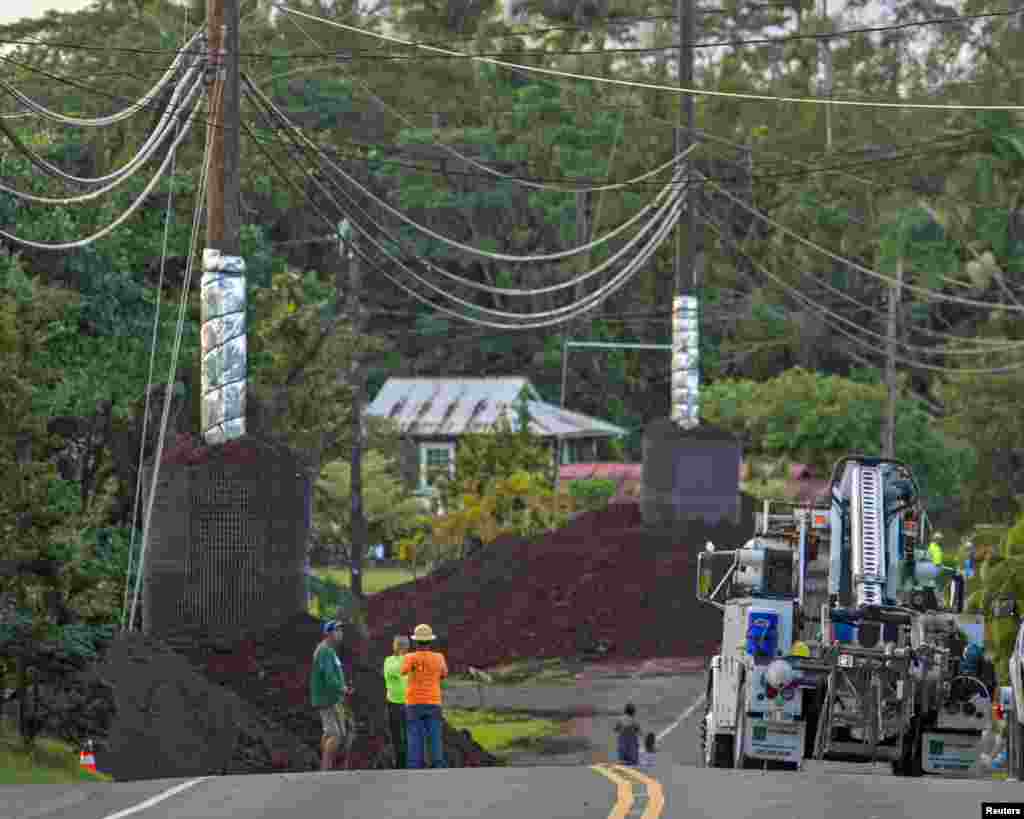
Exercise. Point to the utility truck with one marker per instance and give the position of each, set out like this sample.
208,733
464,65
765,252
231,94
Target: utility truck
835,645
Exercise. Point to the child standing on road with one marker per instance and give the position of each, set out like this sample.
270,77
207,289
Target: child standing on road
629,737
647,754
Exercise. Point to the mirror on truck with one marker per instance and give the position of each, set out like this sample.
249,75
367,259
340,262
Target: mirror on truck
704,575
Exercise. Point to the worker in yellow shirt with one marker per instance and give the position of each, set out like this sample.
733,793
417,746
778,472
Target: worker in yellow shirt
395,684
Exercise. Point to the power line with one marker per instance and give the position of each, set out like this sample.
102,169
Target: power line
821,309
928,292
358,54
656,87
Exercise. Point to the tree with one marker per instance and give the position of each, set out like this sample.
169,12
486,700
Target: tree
816,419
391,511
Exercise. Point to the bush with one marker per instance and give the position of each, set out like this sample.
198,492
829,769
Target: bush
592,494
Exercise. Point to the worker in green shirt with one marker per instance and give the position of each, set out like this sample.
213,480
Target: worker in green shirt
328,690
395,683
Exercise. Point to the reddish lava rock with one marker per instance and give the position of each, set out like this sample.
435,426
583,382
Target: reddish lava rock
603,585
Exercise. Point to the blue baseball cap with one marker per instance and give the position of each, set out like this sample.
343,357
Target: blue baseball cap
331,626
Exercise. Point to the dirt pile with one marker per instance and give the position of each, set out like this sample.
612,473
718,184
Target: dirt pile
603,585
270,672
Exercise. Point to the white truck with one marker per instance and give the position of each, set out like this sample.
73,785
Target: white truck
834,643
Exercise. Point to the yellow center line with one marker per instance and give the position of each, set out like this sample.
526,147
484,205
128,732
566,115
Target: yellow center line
624,802
655,794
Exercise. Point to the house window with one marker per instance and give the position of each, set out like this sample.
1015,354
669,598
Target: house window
436,461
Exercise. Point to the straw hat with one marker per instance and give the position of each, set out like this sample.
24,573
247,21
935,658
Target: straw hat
423,633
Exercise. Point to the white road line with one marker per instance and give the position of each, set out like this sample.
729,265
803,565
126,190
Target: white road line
156,800
682,718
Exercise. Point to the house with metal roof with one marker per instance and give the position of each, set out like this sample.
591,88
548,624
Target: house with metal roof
433,413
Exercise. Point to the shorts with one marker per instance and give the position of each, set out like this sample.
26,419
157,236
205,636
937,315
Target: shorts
335,721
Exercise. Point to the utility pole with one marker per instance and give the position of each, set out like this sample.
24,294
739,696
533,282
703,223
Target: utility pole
826,51
889,434
223,283
359,530
685,372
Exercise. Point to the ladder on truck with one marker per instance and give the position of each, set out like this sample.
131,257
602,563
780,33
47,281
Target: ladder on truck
800,525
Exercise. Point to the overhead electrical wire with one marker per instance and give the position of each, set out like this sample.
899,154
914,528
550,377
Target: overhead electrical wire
984,345
110,119
710,137
654,86
123,174
696,45
584,305
929,293
474,163
825,311
613,285
138,203
501,257
193,249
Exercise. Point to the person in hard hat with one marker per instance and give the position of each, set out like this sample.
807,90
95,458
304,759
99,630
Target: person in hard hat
424,669
935,549
800,649
328,689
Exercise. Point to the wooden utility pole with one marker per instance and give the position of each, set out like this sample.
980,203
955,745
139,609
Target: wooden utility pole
223,199
826,51
684,372
686,251
359,529
889,434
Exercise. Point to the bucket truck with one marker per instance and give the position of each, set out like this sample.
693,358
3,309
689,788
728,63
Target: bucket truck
835,645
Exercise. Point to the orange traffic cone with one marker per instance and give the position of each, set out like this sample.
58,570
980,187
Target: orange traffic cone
86,759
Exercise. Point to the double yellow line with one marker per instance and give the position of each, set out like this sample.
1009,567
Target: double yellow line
625,779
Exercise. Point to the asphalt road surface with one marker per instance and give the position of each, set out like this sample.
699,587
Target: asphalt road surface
673,789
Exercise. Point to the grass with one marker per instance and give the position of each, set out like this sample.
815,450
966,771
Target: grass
501,731
50,762
374,580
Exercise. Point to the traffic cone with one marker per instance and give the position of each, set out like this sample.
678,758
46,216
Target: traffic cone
86,759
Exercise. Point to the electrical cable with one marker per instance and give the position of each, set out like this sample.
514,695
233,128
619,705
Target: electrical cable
818,308
169,212
110,119
696,45
662,210
934,295
499,257
655,87
147,149
474,163
176,350
985,345
125,173
138,203
585,304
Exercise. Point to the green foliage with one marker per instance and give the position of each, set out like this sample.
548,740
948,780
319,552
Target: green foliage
390,510
592,494
815,419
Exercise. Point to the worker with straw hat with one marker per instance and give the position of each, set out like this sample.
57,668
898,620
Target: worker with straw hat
425,668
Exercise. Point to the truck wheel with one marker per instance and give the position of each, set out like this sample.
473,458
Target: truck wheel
716,751
909,763
722,751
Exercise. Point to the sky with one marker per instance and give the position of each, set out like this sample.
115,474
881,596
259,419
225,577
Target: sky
13,10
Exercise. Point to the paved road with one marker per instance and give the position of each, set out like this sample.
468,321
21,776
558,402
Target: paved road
559,793
580,792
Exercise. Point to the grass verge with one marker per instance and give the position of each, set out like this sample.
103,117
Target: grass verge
374,580
502,732
50,762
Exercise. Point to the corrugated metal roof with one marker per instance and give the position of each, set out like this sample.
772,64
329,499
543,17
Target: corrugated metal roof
455,406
